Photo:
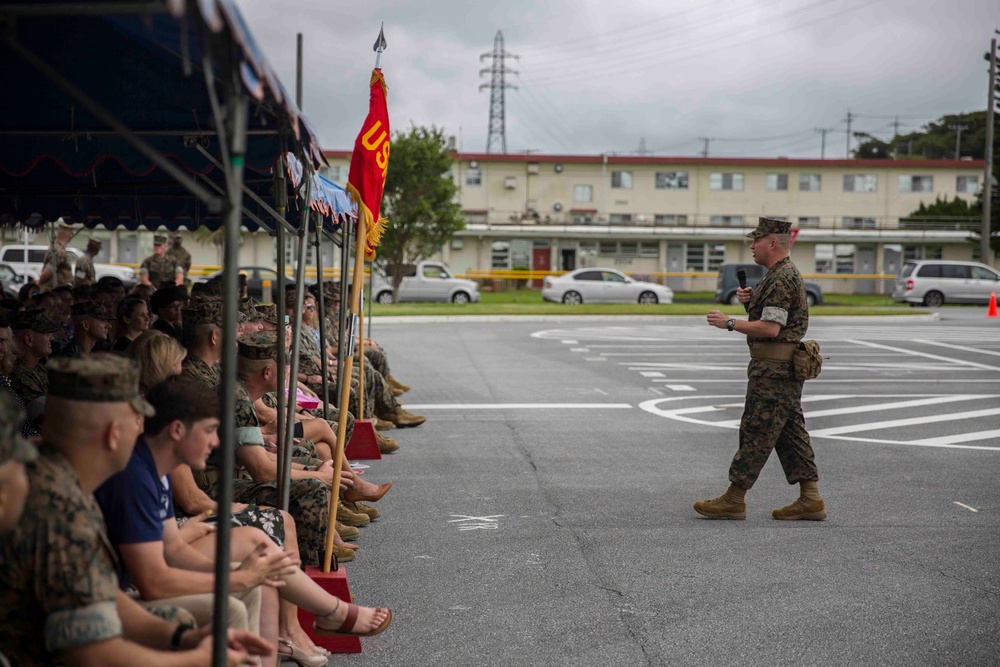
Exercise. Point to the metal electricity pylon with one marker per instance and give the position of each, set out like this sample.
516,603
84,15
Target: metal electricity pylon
497,138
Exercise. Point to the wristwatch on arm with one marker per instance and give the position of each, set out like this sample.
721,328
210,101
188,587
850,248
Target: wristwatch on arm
731,324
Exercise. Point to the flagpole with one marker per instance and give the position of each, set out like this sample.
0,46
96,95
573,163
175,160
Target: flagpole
354,338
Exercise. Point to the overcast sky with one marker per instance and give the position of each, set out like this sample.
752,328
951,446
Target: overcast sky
756,76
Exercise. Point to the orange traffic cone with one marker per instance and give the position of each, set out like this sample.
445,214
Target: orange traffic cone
992,312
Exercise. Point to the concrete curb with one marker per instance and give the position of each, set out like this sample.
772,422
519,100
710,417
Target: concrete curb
683,319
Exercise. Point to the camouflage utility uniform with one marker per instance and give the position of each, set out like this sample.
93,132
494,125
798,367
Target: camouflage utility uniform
309,499
772,415
31,384
194,367
159,269
84,272
58,575
180,257
57,261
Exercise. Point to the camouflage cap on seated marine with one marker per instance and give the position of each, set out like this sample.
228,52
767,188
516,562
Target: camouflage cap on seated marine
93,309
766,226
98,378
13,447
248,308
206,311
258,346
269,313
33,319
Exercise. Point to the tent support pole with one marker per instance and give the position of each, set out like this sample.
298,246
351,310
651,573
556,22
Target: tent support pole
231,125
321,306
345,249
284,476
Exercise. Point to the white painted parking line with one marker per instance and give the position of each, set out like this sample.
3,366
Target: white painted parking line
912,421
960,362
579,349
520,406
571,342
971,509
961,437
679,387
595,358
651,374
957,347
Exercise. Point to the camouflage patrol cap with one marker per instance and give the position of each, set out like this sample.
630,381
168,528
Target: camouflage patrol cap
258,346
93,309
12,446
206,311
766,226
99,378
269,313
94,241
33,319
159,239
248,308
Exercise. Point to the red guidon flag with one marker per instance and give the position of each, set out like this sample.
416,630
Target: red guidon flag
369,164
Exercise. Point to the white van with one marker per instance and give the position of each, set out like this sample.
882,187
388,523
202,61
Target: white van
935,282
13,255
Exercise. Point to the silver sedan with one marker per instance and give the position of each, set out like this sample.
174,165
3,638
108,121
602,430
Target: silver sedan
596,285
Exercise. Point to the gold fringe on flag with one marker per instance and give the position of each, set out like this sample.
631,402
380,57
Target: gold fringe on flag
377,76
373,229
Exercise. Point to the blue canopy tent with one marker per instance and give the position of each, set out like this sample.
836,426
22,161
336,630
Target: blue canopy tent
154,112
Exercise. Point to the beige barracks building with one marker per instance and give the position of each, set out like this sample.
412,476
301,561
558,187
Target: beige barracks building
673,218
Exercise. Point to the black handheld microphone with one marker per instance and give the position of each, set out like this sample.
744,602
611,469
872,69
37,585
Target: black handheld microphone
741,276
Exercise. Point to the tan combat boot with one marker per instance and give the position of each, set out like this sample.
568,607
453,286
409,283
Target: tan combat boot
364,508
347,533
808,507
383,424
386,445
404,419
396,392
348,517
729,505
343,554
396,384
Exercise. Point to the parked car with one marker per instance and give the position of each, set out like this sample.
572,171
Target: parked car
14,256
427,281
727,283
597,285
11,281
256,275
935,282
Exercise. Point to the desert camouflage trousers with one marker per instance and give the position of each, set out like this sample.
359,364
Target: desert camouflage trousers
378,359
308,503
772,419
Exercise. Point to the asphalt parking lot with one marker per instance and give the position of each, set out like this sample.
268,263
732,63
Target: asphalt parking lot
542,515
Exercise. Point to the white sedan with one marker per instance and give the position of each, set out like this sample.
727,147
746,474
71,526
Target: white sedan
595,285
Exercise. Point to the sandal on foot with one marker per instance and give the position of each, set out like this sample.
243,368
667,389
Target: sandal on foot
347,627
300,656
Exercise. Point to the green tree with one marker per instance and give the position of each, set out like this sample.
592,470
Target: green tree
419,201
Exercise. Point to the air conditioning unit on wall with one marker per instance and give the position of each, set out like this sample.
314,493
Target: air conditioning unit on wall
510,182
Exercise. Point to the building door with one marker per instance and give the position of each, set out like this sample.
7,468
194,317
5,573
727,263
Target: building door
864,263
675,264
540,261
567,259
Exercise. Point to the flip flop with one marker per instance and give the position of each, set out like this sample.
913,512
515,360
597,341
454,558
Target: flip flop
347,627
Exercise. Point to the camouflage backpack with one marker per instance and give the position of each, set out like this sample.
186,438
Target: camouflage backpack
807,360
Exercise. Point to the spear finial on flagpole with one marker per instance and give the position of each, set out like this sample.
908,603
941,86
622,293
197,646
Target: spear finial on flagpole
379,46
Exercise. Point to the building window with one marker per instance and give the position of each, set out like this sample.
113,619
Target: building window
583,193
500,255
916,184
860,183
725,220
671,180
292,248
832,258
607,248
968,185
628,248
331,173
705,256
587,248
649,249
912,253
776,182
725,181
808,221
473,176
859,223
620,218
621,180
670,219
810,182
581,218
475,216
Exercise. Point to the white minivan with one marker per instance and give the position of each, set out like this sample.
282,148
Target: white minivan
934,282
13,255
